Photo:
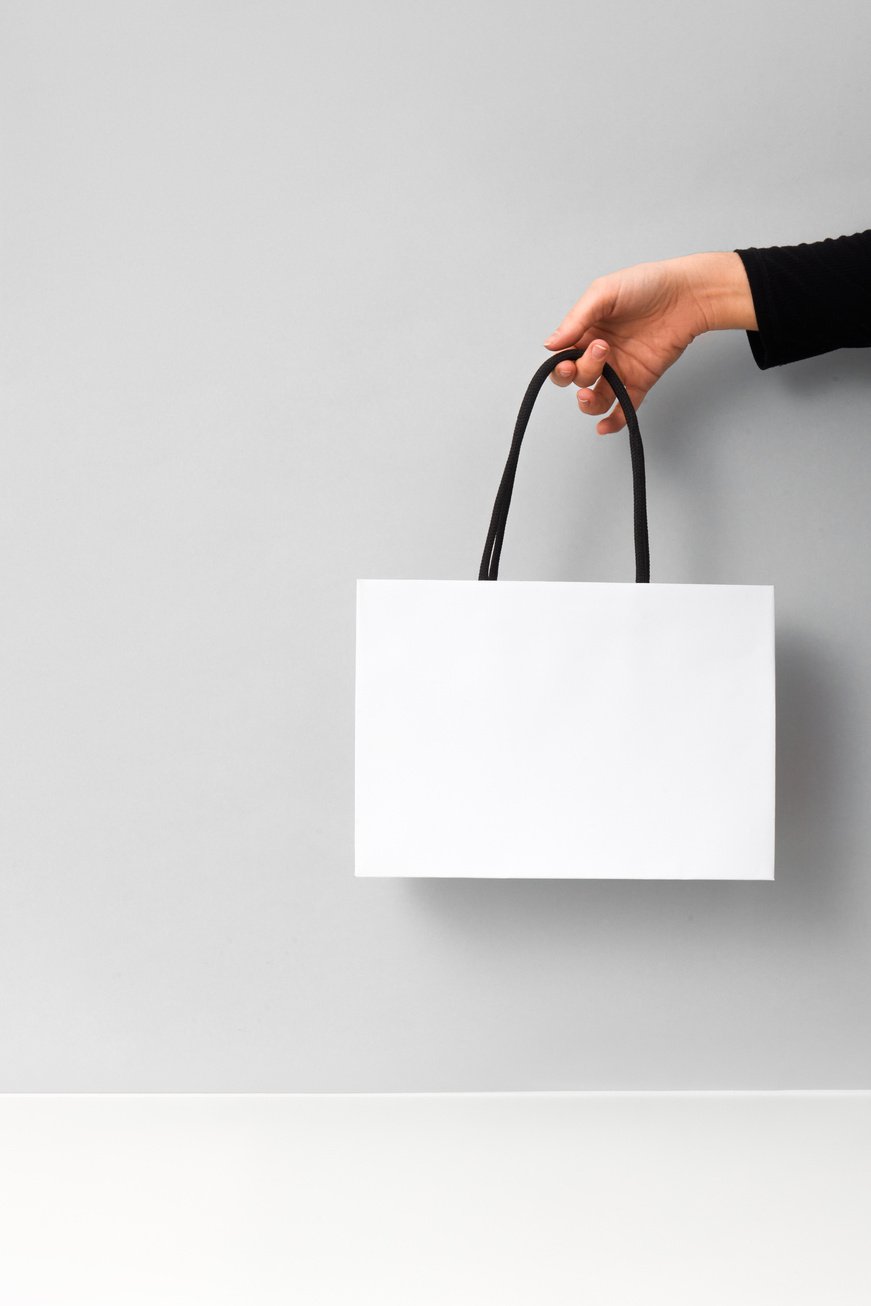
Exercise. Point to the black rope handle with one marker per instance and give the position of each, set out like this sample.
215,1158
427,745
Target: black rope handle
493,548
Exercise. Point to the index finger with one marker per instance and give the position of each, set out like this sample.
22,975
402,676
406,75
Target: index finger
590,308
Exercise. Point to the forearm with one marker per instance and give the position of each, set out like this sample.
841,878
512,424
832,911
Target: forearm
719,283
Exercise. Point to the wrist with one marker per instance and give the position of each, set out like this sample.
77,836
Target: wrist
718,281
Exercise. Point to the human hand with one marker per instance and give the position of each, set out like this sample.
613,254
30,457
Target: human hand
641,319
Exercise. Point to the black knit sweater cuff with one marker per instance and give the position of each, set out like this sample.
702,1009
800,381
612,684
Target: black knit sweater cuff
761,341
809,298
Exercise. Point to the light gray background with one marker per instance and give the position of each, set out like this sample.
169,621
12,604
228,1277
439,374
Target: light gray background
274,279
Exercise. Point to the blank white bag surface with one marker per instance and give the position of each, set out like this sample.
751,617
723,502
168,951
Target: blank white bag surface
561,729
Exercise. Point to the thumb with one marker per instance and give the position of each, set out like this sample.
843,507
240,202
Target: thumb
589,309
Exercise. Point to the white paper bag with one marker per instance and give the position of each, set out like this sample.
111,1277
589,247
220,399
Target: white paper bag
562,729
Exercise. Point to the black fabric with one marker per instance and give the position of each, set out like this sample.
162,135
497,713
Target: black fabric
489,569
809,298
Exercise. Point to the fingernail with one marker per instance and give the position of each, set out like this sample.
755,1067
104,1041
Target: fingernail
582,399
550,340
599,351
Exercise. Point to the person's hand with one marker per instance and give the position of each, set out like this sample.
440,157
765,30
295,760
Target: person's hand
641,319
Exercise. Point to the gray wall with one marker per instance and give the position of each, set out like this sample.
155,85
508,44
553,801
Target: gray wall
274,279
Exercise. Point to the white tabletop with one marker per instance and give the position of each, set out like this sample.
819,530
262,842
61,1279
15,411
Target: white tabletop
421,1200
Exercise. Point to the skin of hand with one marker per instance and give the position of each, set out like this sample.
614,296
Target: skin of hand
641,319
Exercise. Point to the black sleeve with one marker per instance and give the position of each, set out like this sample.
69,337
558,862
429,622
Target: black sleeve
809,298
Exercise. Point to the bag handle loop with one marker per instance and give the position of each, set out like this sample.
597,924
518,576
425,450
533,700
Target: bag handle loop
493,548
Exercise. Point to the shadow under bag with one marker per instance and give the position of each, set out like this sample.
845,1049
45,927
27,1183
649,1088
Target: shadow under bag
562,729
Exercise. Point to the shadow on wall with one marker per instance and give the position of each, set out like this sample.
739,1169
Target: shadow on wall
711,384
696,430
815,844
817,799
726,392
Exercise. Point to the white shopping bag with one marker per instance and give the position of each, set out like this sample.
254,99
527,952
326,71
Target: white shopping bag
560,729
